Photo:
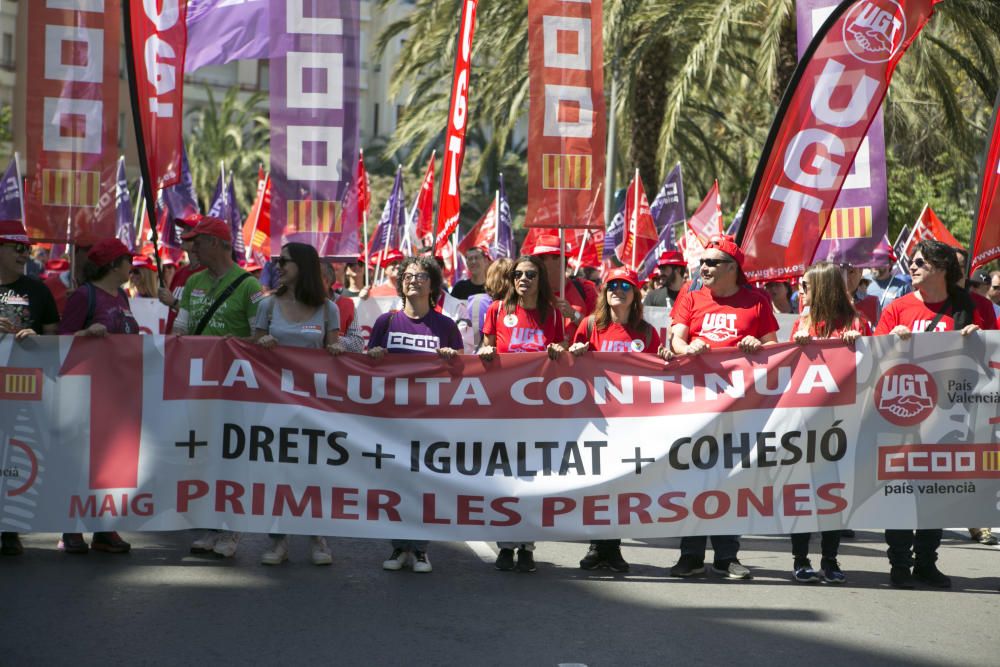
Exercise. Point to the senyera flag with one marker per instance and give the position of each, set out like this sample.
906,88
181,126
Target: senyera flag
566,136
706,221
450,201
832,99
640,230
929,226
987,226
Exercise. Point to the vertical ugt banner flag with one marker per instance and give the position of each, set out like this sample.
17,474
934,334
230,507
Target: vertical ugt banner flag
833,98
861,216
450,201
987,229
566,144
314,123
72,118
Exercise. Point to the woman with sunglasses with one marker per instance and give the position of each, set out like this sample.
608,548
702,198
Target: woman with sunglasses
416,329
830,313
298,314
142,280
936,304
524,320
616,326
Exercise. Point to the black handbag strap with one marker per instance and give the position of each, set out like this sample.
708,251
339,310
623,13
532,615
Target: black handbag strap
221,299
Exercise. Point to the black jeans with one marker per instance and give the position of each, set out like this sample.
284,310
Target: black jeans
829,544
913,547
726,547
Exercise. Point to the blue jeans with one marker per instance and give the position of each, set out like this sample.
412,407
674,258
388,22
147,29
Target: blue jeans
726,547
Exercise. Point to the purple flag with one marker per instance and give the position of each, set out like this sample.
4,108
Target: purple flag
861,215
616,228
221,31
667,208
124,224
734,226
505,231
389,232
177,201
314,123
11,203
235,219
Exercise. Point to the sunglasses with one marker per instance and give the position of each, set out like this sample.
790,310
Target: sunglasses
619,285
920,263
281,261
19,248
712,263
416,277
530,275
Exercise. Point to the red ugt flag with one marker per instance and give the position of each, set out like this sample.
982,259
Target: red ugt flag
987,237
929,226
707,220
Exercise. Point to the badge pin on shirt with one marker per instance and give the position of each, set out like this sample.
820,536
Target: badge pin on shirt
510,320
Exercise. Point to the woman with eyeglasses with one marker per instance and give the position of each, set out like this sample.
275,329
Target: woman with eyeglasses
616,325
298,314
417,328
936,304
829,313
524,320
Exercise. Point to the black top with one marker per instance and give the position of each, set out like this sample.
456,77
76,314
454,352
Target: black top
463,289
28,303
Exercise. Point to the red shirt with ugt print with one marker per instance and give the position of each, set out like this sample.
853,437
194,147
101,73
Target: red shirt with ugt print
521,331
917,316
724,321
860,324
617,338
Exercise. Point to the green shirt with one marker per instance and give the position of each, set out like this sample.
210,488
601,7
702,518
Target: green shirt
233,317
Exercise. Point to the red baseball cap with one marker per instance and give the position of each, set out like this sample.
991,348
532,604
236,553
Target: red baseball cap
60,264
727,244
546,244
141,262
189,220
210,227
106,251
387,258
671,258
623,273
12,231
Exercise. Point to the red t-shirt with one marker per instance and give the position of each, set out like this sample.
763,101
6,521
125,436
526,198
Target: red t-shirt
521,330
868,306
724,321
860,324
584,304
346,307
917,316
57,285
617,338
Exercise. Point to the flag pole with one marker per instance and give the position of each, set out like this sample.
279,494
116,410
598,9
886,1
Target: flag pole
635,217
562,263
583,245
496,221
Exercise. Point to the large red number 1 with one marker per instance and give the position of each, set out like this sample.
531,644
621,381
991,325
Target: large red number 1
114,366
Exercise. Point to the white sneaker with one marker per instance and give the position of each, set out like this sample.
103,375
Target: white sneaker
420,562
397,561
226,545
277,554
205,543
320,551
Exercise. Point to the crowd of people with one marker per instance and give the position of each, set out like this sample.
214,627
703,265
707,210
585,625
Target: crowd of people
515,306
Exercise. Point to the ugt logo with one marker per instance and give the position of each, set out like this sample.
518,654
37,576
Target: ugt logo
874,31
906,395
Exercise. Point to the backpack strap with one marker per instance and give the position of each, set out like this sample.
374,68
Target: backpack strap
91,304
221,299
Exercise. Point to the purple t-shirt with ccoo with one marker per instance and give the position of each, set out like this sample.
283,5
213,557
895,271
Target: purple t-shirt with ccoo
398,333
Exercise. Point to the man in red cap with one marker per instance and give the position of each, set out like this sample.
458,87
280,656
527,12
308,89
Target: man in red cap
723,313
219,301
390,270
477,260
26,308
671,266
580,296
170,296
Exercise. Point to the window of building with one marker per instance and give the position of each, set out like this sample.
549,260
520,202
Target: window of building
7,54
375,122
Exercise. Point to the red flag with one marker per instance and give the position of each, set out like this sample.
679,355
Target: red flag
483,233
257,228
834,96
987,226
364,194
155,42
450,202
929,226
706,222
424,210
567,119
640,229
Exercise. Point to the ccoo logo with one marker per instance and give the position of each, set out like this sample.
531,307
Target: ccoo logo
874,31
905,395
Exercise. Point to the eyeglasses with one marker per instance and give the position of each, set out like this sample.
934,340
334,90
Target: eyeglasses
281,261
530,275
803,285
712,263
19,248
920,263
416,277
619,285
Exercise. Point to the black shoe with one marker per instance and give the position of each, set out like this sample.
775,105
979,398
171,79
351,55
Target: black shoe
688,566
615,561
505,560
900,577
593,560
930,575
10,544
525,561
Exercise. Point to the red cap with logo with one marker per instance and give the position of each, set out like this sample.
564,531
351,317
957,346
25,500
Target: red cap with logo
106,251
671,258
727,244
210,227
623,273
547,244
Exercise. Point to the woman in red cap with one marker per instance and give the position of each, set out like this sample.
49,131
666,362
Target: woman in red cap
98,308
616,325
142,280
525,320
